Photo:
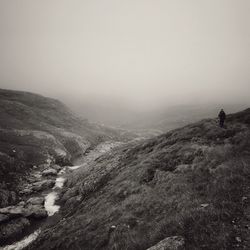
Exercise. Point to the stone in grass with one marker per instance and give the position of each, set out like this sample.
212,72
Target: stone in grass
170,243
50,171
56,167
204,205
36,200
238,239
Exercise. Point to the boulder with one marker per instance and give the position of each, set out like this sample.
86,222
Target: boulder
36,200
204,205
35,211
56,167
12,210
21,203
37,175
170,243
50,171
42,185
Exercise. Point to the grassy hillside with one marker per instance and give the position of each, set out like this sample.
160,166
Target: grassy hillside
35,129
192,182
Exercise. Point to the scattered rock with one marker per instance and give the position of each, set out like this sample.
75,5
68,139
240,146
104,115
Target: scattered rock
12,210
204,205
36,201
21,203
50,171
42,185
37,175
244,198
36,212
238,239
170,243
56,167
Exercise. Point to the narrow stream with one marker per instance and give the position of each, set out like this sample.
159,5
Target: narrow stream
51,198
51,209
24,242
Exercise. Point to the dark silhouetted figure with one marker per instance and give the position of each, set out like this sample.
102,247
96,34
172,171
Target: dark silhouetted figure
222,117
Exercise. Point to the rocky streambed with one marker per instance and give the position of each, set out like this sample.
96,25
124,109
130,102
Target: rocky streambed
37,202
22,223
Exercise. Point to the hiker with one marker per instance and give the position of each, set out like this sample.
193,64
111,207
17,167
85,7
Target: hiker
222,117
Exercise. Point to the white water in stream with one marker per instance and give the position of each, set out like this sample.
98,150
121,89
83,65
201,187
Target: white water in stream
59,182
51,198
51,209
23,243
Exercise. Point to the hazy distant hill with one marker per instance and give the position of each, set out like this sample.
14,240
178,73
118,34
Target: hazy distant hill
178,116
151,121
192,182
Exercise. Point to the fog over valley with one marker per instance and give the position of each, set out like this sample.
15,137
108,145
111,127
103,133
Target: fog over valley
124,125
139,55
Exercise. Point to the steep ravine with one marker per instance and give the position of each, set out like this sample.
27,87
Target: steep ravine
49,198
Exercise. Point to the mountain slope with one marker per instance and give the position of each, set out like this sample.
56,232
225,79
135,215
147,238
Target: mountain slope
35,130
27,114
192,182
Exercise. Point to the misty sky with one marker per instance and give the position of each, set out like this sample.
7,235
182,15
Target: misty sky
138,52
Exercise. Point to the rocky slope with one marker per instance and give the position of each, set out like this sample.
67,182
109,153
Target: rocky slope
188,189
38,134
